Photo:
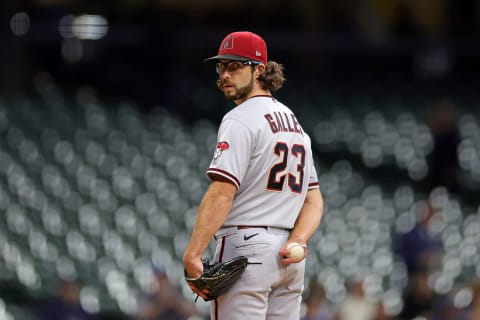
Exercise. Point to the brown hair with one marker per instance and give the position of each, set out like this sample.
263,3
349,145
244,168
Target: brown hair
272,78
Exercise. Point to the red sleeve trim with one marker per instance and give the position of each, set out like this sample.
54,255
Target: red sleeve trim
313,185
225,174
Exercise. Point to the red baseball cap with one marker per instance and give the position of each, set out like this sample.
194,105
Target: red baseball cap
242,46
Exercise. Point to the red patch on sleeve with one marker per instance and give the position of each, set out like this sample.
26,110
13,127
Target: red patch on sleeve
221,146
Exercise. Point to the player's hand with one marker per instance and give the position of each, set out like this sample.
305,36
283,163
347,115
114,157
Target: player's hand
194,270
285,259
193,267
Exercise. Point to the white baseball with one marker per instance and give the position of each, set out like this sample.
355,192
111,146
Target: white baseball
296,251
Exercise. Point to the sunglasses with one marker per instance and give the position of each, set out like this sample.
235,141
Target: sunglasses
232,66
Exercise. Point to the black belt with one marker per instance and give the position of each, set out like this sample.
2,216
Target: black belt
251,227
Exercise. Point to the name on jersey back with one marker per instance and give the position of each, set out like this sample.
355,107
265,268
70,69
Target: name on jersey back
283,122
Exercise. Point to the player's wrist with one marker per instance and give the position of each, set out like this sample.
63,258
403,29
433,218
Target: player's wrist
299,240
191,256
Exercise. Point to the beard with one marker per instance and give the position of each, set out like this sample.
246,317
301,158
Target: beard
240,93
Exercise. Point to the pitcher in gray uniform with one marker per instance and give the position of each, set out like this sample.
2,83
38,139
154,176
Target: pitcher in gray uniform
264,191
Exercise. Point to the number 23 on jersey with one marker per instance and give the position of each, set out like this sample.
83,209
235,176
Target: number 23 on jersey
278,172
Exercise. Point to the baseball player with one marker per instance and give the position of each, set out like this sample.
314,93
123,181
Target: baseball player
264,191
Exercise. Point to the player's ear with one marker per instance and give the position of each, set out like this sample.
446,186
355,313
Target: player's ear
259,69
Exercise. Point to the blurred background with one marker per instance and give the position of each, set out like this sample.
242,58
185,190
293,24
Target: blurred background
108,121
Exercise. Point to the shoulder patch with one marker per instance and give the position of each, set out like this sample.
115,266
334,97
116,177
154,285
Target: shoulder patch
221,146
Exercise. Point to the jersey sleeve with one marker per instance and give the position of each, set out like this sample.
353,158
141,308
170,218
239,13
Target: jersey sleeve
235,144
313,179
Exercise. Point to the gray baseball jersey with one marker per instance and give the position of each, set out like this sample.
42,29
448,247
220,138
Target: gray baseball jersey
264,151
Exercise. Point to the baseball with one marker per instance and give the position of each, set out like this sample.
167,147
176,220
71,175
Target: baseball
296,251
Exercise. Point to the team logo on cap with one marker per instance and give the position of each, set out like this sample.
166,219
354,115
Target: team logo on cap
227,43
221,146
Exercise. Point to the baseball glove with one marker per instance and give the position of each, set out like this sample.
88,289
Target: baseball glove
217,278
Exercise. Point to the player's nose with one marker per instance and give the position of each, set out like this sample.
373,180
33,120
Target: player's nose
224,78
224,75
